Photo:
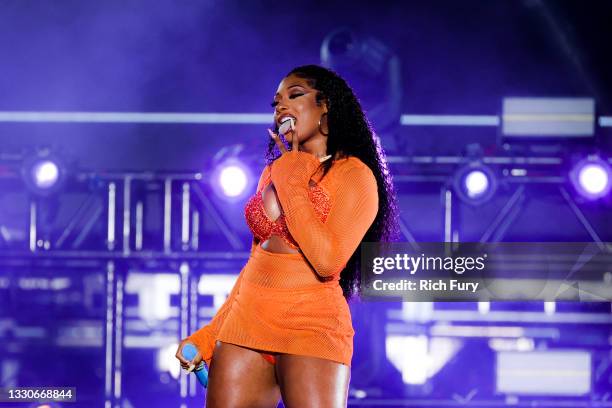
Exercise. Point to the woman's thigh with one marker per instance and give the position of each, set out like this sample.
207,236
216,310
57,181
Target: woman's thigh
312,382
240,377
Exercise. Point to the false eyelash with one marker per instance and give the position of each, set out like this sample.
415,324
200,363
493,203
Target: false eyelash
273,104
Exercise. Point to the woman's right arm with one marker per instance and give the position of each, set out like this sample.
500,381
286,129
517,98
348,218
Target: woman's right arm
205,338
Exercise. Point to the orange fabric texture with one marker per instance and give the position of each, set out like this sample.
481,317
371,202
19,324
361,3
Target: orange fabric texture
263,227
293,303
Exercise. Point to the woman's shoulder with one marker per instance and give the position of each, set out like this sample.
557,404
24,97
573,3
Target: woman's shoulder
351,170
348,163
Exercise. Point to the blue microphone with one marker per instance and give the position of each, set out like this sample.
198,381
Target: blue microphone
189,352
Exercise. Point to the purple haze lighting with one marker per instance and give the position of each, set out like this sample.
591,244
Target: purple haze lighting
591,178
45,174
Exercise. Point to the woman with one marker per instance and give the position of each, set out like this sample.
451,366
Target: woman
285,329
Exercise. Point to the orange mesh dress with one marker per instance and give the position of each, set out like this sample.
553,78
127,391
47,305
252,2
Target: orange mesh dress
293,303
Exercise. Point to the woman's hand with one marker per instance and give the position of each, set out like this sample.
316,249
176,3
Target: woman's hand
295,142
186,364
294,166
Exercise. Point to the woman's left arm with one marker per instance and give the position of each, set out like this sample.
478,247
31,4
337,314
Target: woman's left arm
327,246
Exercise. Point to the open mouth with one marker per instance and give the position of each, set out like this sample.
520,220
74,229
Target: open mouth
287,124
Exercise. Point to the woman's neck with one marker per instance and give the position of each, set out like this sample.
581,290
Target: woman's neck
316,147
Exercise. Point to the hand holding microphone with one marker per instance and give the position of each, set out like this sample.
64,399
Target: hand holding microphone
191,361
288,124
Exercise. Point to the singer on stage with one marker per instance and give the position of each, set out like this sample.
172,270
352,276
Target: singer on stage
285,330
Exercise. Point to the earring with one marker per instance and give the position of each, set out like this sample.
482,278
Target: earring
320,129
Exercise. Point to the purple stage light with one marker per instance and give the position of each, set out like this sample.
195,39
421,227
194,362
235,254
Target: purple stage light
475,183
591,178
45,174
231,179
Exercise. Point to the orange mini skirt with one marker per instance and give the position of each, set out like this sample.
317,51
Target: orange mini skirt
282,307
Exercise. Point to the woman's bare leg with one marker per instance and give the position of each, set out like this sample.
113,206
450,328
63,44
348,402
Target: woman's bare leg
240,377
312,382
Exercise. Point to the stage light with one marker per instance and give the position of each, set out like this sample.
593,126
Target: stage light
591,178
420,358
374,71
154,293
526,118
484,307
544,372
43,173
229,175
233,180
167,362
475,183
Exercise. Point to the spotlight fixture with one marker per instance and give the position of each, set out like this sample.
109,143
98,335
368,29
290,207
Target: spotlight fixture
475,183
43,173
591,177
231,178
373,69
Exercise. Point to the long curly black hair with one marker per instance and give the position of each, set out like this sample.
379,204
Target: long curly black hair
351,134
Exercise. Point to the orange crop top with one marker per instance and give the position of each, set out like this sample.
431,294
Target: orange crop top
263,227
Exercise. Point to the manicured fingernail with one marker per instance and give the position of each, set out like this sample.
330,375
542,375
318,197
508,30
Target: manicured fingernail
272,135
